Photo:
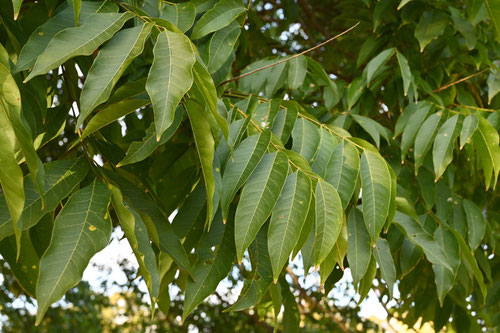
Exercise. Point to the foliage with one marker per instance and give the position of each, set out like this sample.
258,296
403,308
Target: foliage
379,152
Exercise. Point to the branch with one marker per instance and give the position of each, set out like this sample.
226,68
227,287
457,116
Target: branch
290,58
446,86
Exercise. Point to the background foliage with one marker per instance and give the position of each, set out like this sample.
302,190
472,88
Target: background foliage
204,132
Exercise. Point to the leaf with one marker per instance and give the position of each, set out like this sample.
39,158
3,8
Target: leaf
306,138
372,127
170,76
297,70
182,15
284,123
468,129
16,4
324,153
493,83
382,253
205,147
354,91
366,283
431,25
405,72
137,235
494,11
476,223
409,257
465,28
442,151
343,170
83,40
425,138
445,278
139,150
275,79
109,65
81,229
340,248
306,232
377,63
486,143
256,286
258,199
376,186
287,219
359,250
77,6
403,3
222,45
208,275
415,121
328,222
238,169
291,313
218,17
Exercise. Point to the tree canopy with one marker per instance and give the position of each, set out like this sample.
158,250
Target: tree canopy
231,135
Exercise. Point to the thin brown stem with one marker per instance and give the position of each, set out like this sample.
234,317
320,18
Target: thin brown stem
290,58
446,86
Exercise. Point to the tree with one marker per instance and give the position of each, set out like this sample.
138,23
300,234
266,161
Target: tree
376,150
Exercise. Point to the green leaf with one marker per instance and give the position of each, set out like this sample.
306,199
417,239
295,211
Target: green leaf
205,147
493,84
77,6
139,150
238,169
425,138
377,63
275,79
376,186
442,151
465,28
328,222
359,250
494,11
468,129
82,228
409,257
343,170
287,219
297,70
291,313
108,67
403,3
16,4
405,72
354,91
285,120
306,138
366,283
372,127
182,15
415,121
476,223
445,278
486,143
137,235
324,153
431,25
382,253
170,76
222,45
218,17
258,199
208,272
83,40
306,232
340,248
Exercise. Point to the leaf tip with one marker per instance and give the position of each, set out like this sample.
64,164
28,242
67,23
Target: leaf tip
275,280
224,220
118,165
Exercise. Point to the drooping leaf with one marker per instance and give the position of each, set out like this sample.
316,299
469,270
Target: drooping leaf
285,121
305,138
339,250
258,199
324,153
415,120
382,253
365,284
405,72
445,278
409,257
170,77
359,250
81,229
431,25
222,44
182,15
82,40
468,129
108,67
442,151
288,219
218,17
425,138
297,71
494,11
476,223
486,141
291,313
376,63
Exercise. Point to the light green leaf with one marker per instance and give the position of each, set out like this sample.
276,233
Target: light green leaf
373,128
376,186
340,248
139,150
16,4
288,219
83,40
137,235
355,90
359,250
425,138
61,177
238,169
409,257
306,232
376,63
285,120
444,277
170,76
205,147
403,3
326,267
431,25
465,28
382,253
343,170
218,17
469,127
415,121
182,15
77,6
366,283
82,228
476,222
493,84
221,45
493,7
486,143
306,138
275,79
328,222
405,72
442,151
297,70
108,67
258,199
324,153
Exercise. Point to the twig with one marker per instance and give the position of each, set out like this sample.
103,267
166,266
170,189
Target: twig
446,86
289,58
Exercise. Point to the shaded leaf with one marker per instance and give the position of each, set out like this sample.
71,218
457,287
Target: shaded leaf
218,17
382,253
442,151
359,249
